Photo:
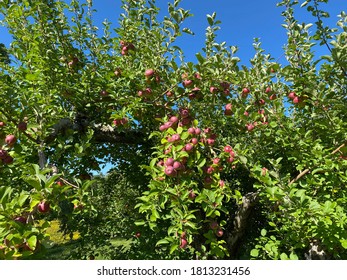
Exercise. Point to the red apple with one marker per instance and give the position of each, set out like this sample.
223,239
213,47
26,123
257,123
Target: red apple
149,73
194,141
8,159
60,183
213,89
291,95
21,219
169,162
214,225
170,171
174,119
104,93
183,243
187,83
138,234
188,147
22,126
219,232
210,141
228,106
3,154
191,130
184,113
169,94
176,137
228,149
245,92
273,96
268,90
2,124
296,100
10,139
197,131
250,126
43,207
177,165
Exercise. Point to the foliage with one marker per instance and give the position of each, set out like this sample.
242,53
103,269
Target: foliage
211,160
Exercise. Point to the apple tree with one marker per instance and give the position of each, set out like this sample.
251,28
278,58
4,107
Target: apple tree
211,159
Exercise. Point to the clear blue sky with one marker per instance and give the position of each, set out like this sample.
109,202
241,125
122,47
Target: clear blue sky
241,22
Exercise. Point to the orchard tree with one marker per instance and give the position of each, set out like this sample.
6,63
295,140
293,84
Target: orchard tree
212,159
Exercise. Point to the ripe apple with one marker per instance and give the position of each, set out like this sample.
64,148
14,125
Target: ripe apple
197,131
149,73
2,124
174,119
291,95
213,89
197,76
21,219
228,106
245,92
228,149
169,162
177,165
214,225
170,171
22,126
187,83
3,154
169,94
188,147
268,90
184,113
194,141
216,161
176,137
183,243
219,232
191,130
8,159
273,96
210,141
296,100
60,183
138,234
250,126
10,139
104,93
209,170
43,207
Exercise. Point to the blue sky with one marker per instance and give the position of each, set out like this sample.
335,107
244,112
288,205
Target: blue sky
242,21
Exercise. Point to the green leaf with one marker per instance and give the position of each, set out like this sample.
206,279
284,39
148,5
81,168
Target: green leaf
283,256
344,243
22,198
173,248
32,241
161,242
140,223
243,159
255,253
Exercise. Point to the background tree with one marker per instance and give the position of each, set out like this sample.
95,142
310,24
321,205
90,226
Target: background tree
211,159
